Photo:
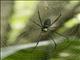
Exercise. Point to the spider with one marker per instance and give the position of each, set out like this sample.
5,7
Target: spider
44,26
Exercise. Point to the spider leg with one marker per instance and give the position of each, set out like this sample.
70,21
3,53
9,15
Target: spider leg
65,37
53,42
52,39
36,23
40,18
56,19
37,42
61,35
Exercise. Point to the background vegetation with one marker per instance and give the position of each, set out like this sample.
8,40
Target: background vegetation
19,34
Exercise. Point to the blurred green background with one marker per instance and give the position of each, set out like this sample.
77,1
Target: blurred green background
18,30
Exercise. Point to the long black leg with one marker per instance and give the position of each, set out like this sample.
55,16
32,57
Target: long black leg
56,19
65,37
37,43
50,35
36,23
40,18
61,35
54,42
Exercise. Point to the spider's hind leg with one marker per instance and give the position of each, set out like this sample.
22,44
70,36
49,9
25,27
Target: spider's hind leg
67,38
53,41
36,43
62,35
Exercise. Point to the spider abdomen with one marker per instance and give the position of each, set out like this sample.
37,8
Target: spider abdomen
47,23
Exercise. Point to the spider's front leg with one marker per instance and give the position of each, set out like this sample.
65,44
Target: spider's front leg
36,24
56,19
